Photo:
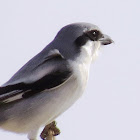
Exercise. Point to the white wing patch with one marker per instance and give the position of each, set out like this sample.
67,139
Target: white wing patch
55,52
14,98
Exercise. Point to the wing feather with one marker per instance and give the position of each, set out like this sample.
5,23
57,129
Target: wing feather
58,74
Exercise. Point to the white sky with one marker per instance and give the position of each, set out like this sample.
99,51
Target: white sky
109,109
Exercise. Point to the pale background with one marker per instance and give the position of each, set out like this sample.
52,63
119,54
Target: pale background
109,109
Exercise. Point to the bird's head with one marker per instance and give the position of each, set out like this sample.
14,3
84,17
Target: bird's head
78,38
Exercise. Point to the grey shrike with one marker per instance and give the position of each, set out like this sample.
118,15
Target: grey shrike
52,81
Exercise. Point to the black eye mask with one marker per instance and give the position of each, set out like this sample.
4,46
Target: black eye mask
93,35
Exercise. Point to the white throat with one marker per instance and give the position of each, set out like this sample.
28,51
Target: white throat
89,52
82,63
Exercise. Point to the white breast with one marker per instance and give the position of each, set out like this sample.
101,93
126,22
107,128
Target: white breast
82,63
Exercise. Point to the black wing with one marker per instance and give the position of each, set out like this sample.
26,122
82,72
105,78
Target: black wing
59,72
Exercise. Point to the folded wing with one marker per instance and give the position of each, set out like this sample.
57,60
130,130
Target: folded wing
51,73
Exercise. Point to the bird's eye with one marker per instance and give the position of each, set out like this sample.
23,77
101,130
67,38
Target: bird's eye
94,35
94,32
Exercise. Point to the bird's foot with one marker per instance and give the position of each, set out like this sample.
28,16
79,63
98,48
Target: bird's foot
50,131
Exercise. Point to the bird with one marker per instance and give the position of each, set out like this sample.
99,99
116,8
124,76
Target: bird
52,81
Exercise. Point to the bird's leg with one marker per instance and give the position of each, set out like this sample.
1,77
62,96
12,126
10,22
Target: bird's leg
32,135
50,131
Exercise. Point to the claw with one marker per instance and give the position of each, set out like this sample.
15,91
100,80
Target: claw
50,131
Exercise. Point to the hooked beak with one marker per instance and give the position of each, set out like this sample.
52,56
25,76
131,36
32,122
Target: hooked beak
105,40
